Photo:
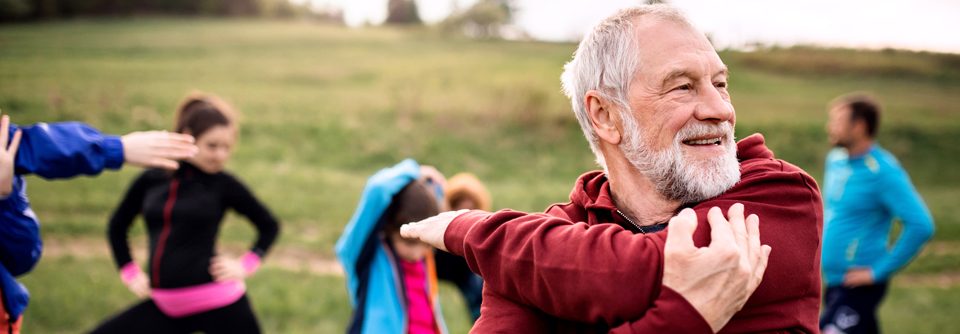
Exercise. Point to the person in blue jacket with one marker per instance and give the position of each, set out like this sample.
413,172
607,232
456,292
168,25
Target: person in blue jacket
391,280
56,151
864,189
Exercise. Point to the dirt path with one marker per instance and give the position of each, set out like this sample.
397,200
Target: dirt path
288,258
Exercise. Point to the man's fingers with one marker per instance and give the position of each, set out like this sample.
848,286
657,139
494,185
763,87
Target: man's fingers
14,143
737,224
753,237
720,231
410,231
680,231
761,265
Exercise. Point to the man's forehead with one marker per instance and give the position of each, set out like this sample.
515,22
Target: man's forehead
669,49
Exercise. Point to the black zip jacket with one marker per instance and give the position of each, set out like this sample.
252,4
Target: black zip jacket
183,211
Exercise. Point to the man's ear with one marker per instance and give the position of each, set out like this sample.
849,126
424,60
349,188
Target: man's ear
605,120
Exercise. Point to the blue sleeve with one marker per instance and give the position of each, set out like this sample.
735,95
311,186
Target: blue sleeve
374,200
62,150
903,201
20,244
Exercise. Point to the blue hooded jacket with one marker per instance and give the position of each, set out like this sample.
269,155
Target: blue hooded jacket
52,151
373,282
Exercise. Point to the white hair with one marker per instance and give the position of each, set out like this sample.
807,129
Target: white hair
606,61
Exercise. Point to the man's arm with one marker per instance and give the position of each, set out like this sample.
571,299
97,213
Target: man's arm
545,273
903,200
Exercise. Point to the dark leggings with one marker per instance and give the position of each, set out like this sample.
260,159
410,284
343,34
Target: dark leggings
852,310
147,318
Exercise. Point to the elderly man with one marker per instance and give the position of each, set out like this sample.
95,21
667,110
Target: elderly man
651,95
864,189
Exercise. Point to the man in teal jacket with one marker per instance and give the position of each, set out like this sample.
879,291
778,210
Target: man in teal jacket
865,188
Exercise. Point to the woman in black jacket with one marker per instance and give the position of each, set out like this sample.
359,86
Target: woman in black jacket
189,287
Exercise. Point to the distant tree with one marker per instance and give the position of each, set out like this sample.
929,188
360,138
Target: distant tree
485,19
402,12
328,14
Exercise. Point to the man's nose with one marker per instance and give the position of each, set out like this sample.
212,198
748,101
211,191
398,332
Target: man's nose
712,106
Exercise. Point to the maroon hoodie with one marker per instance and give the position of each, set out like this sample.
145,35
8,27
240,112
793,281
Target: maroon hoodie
581,267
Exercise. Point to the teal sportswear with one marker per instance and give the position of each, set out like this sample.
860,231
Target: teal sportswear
862,195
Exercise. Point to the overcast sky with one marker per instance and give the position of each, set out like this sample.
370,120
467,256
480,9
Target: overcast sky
918,24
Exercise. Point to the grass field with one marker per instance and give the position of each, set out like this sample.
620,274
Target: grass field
324,107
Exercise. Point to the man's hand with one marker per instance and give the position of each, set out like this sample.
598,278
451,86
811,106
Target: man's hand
855,277
158,149
8,155
431,230
717,280
223,268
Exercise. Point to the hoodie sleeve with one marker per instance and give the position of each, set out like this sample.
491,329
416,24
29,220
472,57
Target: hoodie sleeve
591,274
63,150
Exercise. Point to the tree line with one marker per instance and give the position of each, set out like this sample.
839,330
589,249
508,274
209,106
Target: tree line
28,10
484,19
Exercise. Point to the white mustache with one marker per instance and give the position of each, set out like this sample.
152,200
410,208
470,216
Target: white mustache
699,129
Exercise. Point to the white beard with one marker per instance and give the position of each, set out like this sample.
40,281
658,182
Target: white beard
680,177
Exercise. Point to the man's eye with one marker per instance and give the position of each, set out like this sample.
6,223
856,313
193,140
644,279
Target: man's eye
721,85
684,87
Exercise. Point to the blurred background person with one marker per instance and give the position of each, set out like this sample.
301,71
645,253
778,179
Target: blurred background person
464,192
56,151
864,189
392,280
189,287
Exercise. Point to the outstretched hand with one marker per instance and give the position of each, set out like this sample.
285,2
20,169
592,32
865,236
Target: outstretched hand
431,230
717,280
158,149
8,155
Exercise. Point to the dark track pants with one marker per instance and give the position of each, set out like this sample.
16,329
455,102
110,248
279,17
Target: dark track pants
852,310
146,318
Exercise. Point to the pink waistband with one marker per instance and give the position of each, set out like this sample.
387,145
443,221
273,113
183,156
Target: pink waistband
181,302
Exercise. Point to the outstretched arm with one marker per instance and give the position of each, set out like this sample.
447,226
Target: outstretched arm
552,265
63,150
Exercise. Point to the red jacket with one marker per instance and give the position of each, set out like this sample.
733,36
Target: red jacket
580,267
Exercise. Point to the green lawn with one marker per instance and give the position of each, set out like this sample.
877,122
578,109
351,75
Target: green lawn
324,107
